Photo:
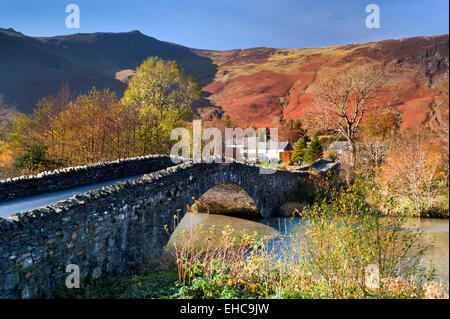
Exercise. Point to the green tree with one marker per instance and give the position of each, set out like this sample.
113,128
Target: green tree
162,93
299,151
314,151
33,158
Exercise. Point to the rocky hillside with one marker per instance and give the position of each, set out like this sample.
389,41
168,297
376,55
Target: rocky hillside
258,86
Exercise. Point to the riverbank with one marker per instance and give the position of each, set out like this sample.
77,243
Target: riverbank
264,272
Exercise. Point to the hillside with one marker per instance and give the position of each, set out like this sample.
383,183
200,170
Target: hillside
31,68
264,86
258,86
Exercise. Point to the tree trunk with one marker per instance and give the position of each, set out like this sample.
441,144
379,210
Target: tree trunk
351,169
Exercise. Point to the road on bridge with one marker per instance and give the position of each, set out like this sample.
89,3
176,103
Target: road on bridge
37,201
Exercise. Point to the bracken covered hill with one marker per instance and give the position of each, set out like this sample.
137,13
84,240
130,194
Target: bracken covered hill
264,86
258,87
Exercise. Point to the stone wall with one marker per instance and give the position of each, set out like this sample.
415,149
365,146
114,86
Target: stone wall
119,228
44,182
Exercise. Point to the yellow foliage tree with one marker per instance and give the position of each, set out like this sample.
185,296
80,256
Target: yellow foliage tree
414,170
162,94
97,126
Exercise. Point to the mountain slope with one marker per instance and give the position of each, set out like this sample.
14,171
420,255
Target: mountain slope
264,86
258,86
31,68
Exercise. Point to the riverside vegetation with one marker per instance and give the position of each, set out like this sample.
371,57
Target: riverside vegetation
328,257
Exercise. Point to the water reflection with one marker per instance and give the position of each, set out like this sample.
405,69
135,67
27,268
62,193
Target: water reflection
192,221
436,234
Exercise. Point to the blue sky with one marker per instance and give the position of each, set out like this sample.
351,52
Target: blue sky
232,24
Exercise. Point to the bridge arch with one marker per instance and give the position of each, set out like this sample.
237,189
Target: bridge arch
120,228
227,199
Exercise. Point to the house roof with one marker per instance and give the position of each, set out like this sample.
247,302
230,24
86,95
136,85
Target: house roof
287,146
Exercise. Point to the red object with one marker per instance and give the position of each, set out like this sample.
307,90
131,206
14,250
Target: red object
286,156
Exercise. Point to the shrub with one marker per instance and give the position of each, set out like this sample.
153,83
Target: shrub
154,283
327,258
33,158
329,255
326,140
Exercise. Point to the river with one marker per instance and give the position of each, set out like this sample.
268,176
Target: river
435,233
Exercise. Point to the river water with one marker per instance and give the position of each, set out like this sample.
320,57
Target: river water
435,233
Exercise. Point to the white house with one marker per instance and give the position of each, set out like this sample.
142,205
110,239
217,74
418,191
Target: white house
254,150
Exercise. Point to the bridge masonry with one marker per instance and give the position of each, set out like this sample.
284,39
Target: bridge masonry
25,186
119,228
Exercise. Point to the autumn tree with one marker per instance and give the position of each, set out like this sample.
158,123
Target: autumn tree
378,135
163,94
25,132
414,169
85,131
7,113
65,130
72,131
343,100
19,137
46,113
292,131
16,142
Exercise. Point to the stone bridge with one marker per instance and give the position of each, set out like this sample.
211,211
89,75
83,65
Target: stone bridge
119,228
